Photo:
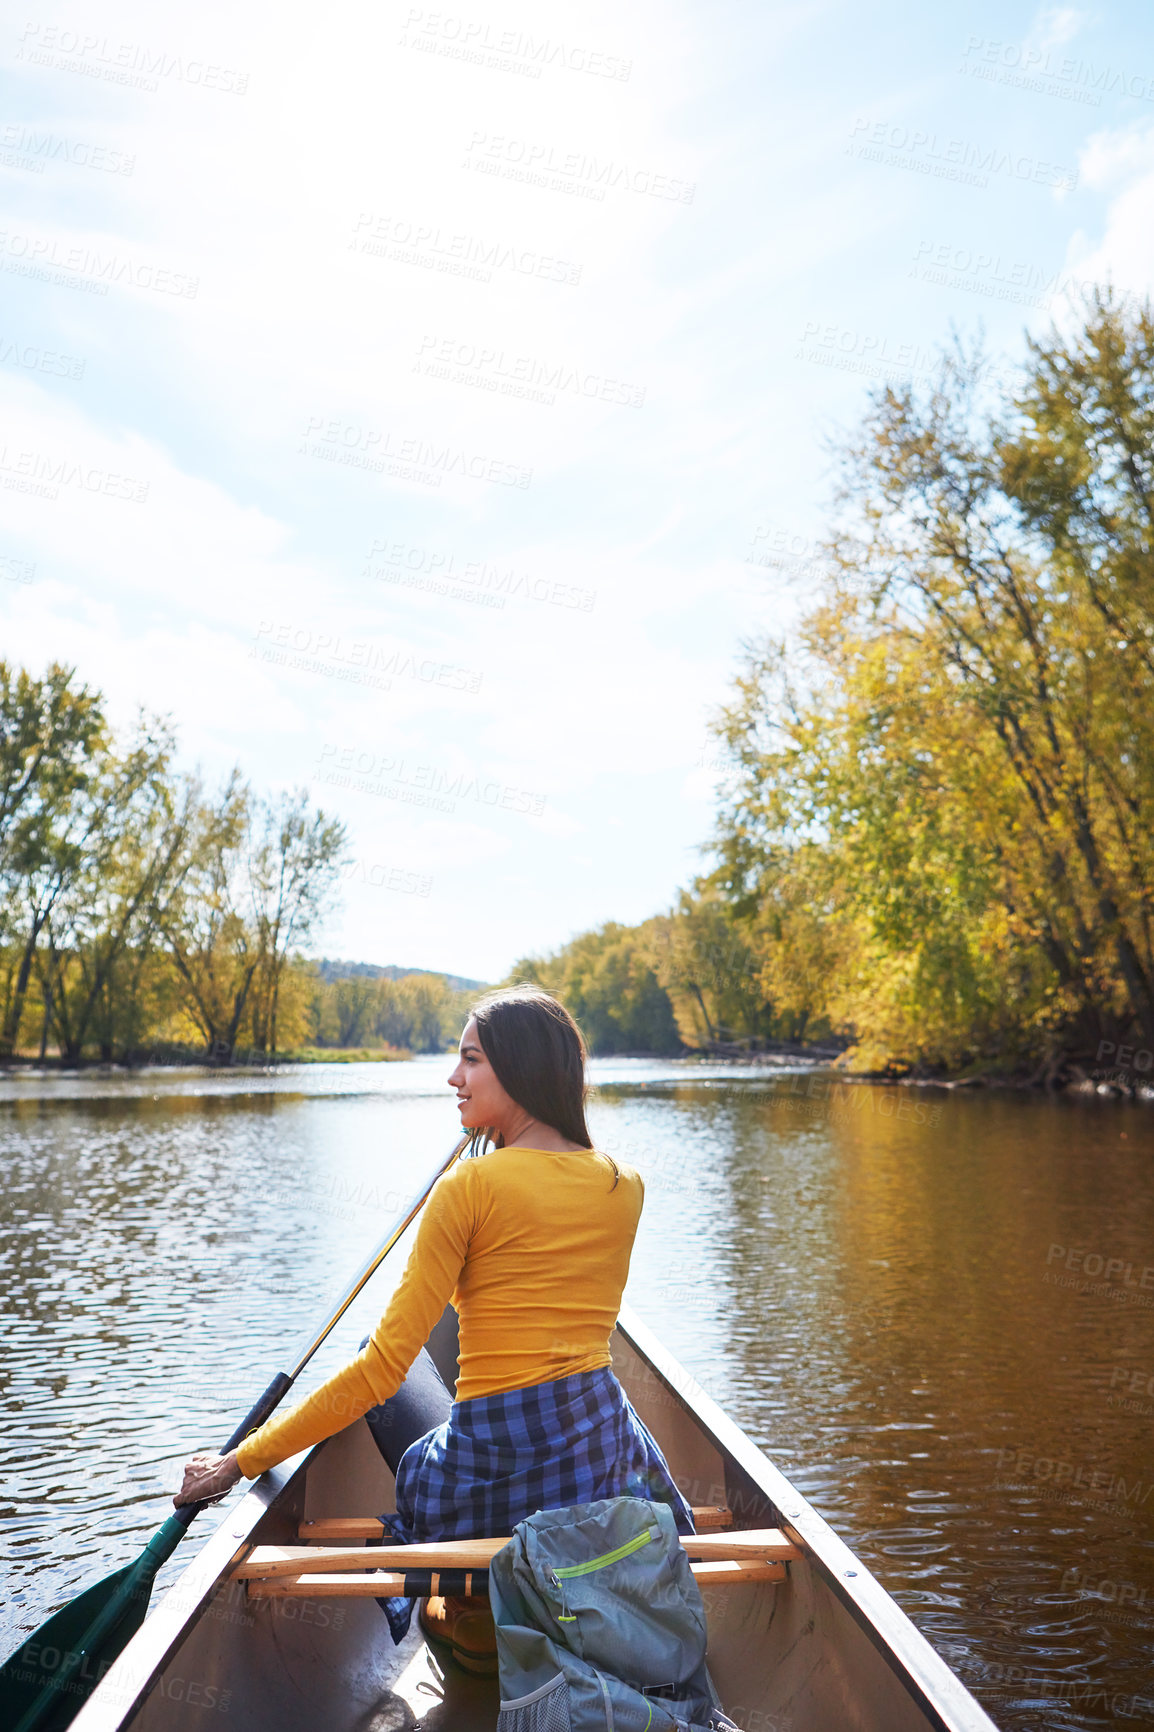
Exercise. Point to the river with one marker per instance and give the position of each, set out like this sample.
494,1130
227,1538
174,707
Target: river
934,1310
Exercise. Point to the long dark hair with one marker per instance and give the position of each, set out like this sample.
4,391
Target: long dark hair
538,1057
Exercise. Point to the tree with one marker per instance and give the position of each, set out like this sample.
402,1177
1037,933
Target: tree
355,1004
215,950
295,857
420,1012
946,790
103,928
705,961
52,734
135,905
606,979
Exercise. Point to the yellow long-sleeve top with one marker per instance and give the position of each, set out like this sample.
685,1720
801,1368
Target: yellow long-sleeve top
533,1250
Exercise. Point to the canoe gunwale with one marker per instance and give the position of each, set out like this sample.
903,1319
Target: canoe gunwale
938,1691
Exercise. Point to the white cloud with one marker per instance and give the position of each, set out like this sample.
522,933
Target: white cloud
1120,163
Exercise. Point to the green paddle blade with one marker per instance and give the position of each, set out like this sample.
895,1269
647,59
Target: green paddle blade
56,1669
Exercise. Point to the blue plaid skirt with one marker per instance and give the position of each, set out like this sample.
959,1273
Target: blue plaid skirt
500,1458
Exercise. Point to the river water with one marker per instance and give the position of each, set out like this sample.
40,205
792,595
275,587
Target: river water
934,1310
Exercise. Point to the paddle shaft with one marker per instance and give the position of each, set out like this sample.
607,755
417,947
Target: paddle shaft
138,1580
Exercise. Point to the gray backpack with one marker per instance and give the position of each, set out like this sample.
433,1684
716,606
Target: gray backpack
600,1624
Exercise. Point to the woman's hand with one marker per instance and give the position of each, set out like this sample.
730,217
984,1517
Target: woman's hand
207,1478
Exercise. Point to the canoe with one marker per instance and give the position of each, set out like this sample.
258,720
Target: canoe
823,1650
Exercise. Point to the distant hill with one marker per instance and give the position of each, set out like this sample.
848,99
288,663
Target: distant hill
332,968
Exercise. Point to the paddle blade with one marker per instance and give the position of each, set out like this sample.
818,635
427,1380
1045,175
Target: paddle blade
49,1656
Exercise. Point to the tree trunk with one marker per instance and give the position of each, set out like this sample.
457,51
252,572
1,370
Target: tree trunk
709,1029
11,1031
237,1012
270,1039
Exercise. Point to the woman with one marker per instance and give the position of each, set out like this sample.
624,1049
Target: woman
531,1243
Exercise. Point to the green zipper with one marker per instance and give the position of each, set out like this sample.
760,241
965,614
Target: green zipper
633,1545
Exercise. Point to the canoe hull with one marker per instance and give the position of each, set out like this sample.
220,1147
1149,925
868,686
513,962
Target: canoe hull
827,1651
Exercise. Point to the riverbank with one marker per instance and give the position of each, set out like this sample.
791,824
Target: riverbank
1066,1077
196,1059
1117,1072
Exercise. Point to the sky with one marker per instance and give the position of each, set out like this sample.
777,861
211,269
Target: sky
424,406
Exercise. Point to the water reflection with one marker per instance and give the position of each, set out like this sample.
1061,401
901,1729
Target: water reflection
886,1322
929,1309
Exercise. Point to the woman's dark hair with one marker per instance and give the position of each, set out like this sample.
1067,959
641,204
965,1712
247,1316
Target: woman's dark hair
538,1057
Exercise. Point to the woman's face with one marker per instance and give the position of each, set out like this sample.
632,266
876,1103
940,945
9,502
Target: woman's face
480,1097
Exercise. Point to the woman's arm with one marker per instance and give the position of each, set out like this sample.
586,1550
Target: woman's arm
425,1288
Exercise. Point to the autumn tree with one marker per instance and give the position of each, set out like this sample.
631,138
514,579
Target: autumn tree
943,791
606,979
52,733
103,932
214,947
294,861
703,957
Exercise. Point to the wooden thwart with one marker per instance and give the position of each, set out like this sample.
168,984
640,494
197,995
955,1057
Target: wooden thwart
346,1530
756,1545
380,1585
334,1565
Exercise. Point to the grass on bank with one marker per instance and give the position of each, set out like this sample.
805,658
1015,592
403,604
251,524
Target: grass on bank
343,1055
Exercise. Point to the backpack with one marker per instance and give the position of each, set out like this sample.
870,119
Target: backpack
600,1624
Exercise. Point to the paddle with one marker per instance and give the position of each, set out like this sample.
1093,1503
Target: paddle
46,1681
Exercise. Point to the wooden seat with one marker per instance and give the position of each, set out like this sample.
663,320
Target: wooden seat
711,1518
461,1566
